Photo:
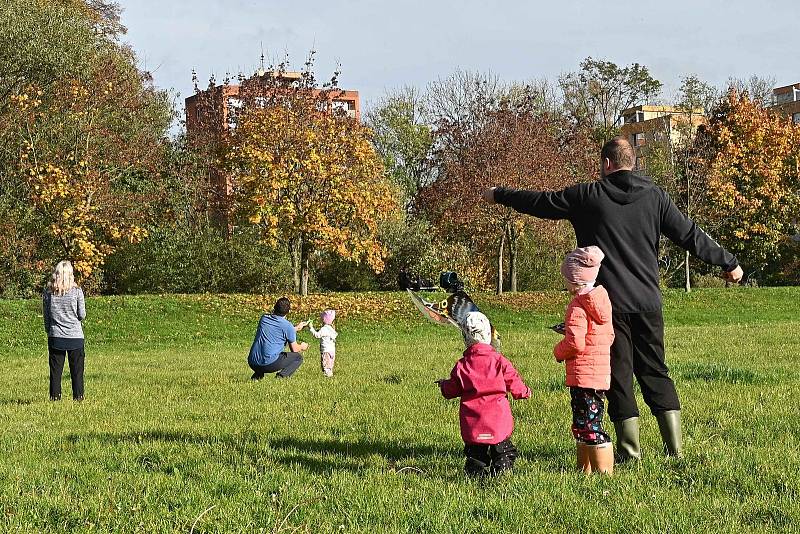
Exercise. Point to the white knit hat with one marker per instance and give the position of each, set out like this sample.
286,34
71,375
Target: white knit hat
477,329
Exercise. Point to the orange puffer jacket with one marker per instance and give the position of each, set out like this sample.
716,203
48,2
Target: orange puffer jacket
586,346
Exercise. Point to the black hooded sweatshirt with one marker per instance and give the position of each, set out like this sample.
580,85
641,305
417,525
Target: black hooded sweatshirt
624,214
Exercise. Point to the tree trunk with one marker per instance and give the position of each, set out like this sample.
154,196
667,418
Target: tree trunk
512,261
304,254
500,255
688,284
688,204
294,252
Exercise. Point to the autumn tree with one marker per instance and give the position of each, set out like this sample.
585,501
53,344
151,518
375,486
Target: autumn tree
516,145
597,94
672,161
308,176
753,178
757,88
82,137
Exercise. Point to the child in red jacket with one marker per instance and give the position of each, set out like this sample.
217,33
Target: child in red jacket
586,349
482,378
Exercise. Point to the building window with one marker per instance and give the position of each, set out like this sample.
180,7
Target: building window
234,106
796,118
636,116
638,139
340,106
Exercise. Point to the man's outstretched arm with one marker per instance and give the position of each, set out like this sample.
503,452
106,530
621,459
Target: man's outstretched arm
543,204
683,231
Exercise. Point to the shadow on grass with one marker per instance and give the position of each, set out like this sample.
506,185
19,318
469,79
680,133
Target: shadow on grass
320,456
16,402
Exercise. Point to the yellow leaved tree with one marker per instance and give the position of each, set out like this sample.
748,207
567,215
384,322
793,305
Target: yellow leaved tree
89,149
310,179
753,178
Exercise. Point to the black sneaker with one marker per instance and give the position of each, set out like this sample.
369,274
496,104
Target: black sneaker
55,398
257,376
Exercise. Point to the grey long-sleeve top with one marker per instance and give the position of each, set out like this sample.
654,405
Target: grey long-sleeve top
63,313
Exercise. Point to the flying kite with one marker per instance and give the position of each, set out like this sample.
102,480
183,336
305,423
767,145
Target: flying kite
454,309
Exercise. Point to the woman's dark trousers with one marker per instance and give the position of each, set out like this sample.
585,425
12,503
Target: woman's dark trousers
76,359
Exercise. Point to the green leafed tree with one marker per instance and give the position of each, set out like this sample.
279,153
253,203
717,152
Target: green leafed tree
403,140
81,135
597,94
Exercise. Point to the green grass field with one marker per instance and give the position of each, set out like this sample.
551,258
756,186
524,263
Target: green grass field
173,435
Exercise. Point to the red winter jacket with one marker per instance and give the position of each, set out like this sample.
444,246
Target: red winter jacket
586,347
482,377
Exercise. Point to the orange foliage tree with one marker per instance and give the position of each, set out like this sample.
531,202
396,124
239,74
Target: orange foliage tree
88,146
753,178
516,145
309,178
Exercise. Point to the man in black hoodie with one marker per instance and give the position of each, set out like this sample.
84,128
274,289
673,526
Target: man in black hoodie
625,214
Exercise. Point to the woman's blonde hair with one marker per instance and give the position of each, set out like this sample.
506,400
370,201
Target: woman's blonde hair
63,278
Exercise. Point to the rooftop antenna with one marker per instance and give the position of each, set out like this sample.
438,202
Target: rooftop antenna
262,71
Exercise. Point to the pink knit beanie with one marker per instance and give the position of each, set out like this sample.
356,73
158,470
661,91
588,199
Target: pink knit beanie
328,316
582,265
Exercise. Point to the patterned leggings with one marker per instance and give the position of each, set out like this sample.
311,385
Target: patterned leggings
587,416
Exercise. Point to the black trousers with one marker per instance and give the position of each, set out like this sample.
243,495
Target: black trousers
489,459
638,350
285,366
76,359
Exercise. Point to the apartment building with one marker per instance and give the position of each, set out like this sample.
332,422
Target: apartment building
212,112
786,101
664,126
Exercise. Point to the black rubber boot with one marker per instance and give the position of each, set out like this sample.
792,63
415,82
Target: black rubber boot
478,460
475,468
627,446
504,454
669,424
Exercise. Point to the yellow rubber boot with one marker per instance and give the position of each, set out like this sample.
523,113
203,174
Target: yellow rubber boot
584,461
602,458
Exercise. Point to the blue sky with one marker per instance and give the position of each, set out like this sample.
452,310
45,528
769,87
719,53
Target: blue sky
384,45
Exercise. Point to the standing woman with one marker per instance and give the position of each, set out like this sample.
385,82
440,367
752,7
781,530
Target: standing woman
63,308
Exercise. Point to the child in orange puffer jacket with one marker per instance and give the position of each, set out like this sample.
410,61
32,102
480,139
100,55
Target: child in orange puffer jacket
586,349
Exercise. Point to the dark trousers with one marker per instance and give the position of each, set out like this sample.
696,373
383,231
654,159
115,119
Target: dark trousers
76,359
489,459
285,366
638,350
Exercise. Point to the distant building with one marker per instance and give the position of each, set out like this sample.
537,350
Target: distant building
222,101
663,126
786,101
212,112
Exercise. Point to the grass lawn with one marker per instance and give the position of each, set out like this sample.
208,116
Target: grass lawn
173,434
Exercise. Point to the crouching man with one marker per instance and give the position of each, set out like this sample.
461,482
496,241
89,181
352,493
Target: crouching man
274,333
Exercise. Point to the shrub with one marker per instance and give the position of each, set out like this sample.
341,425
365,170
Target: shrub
194,261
